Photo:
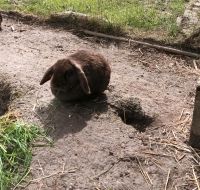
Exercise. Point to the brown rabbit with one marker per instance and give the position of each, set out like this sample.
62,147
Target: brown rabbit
79,75
1,19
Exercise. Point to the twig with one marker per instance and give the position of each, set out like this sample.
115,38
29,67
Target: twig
63,167
139,49
167,181
22,179
184,121
41,168
195,177
195,160
104,172
156,162
158,67
195,188
36,101
145,174
167,49
176,159
149,142
175,146
179,159
129,42
195,65
51,175
156,154
196,154
181,114
174,135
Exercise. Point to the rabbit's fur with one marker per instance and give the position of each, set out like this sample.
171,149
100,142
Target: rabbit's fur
79,75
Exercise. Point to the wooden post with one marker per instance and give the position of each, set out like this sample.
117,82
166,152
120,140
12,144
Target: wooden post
194,140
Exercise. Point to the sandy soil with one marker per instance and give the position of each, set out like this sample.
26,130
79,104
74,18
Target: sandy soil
93,148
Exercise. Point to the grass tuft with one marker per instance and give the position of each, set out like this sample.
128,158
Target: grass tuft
16,140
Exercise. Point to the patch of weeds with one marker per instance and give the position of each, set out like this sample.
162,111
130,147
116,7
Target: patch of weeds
16,142
6,5
5,95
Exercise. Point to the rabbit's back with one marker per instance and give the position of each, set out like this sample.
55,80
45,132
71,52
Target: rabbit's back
96,69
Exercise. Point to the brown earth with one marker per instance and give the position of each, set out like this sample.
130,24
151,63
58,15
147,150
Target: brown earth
93,148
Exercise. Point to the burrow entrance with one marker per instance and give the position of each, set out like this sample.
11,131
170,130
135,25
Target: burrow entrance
129,109
5,95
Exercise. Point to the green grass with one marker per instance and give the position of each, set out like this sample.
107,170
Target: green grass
142,14
16,140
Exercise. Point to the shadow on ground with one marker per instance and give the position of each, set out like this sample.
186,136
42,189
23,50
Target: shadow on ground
60,118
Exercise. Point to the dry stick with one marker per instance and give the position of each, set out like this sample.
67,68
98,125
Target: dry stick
175,137
157,163
22,179
176,159
36,101
41,167
183,121
195,160
181,157
167,181
181,114
195,65
104,172
168,49
51,175
196,154
179,147
156,154
195,177
145,174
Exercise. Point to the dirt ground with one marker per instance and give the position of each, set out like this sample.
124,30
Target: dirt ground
93,148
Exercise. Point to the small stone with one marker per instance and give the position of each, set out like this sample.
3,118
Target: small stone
71,187
96,116
126,173
131,136
12,28
111,153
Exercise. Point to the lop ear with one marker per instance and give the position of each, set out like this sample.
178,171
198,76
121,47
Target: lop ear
82,78
47,76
